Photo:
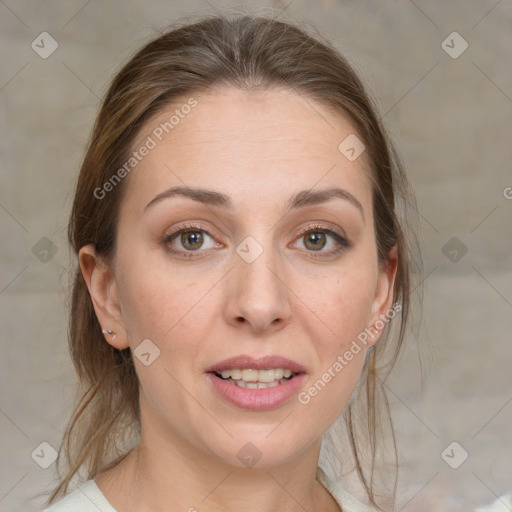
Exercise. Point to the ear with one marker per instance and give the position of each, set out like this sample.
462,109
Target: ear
104,295
383,301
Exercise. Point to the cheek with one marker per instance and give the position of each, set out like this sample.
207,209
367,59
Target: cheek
153,299
341,354
167,307
345,312
346,306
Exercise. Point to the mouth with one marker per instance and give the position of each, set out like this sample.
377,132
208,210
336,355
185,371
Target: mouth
257,384
257,379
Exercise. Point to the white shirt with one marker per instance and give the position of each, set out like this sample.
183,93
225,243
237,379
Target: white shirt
89,498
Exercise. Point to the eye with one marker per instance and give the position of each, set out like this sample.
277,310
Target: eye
316,238
188,240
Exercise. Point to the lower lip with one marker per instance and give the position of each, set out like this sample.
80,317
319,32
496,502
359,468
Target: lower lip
257,399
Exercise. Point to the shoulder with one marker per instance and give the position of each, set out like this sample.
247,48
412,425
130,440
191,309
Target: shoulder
347,502
497,505
87,498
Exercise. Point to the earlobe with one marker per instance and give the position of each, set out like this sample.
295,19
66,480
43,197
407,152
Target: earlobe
102,288
383,301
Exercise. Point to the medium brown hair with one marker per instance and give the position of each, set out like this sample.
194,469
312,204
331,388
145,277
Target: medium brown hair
249,53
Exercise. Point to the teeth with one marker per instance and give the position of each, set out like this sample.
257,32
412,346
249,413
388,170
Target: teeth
272,375
255,385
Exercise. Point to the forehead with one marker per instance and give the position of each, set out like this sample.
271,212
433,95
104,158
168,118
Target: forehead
245,140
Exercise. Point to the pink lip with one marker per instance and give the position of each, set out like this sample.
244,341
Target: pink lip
257,399
248,362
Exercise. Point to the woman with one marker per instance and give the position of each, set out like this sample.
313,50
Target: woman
241,261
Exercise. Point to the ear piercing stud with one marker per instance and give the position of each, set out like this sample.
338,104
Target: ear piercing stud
110,332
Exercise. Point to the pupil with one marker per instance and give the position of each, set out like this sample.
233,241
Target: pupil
316,237
194,237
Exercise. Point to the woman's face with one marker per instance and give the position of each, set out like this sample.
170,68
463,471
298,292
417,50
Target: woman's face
269,266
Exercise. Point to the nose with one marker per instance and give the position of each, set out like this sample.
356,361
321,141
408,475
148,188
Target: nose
257,295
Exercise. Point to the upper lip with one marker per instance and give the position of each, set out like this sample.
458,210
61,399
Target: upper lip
263,363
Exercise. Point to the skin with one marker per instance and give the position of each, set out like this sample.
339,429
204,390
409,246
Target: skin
201,310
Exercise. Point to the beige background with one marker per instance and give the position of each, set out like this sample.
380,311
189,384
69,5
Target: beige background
452,121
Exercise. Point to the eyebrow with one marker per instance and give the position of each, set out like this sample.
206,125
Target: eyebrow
299,200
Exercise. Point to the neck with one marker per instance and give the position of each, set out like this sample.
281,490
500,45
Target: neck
163,472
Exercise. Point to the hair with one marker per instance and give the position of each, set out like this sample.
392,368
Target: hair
249,53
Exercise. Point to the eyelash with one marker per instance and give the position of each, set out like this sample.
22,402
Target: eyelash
342,242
